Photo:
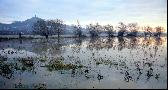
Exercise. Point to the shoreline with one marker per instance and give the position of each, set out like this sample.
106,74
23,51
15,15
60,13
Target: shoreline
55,36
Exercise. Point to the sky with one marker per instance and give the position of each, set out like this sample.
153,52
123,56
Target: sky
144,12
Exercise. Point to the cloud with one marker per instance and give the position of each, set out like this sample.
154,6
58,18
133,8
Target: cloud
106,11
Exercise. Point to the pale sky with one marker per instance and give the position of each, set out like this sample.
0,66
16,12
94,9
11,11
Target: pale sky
144,12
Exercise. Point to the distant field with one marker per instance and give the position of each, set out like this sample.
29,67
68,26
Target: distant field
35,36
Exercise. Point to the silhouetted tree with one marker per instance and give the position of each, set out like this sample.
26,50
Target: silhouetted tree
133,28
94,30
158,31
55,26
110,30
40,27
78,29
122,29
20,35
121,43
148,30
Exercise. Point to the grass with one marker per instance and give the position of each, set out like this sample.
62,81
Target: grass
57,64
102,61
40,86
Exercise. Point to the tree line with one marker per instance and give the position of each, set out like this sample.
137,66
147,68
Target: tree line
57,27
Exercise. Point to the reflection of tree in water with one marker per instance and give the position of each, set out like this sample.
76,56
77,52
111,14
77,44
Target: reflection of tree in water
147,41
109,43
153,40
101,43
77,45
153,43
133,43
19,44
130,42
95,43
121,43
159,41
41,46
78,41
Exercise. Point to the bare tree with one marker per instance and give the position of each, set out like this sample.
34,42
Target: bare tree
148,30
78,29
40,27
133,29
56,26
94,30
91,29
98,28
159,30
122,29
110,30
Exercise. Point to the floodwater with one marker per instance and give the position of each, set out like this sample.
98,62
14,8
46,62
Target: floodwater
73,63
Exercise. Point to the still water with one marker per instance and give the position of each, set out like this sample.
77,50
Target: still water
73,63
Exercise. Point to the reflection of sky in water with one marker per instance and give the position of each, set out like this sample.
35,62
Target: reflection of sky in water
111,63
12,53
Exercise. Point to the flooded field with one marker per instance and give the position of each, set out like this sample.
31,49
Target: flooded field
73,63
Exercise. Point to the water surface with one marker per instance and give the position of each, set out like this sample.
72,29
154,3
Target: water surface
84,63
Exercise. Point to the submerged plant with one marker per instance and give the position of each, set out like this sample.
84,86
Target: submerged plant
57,64
40,86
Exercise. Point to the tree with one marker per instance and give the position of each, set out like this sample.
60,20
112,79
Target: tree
110,30
78,29
148,30
98,28
90,27
159,30
40,27
122,29
51,27
94,30
55,26
133,29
